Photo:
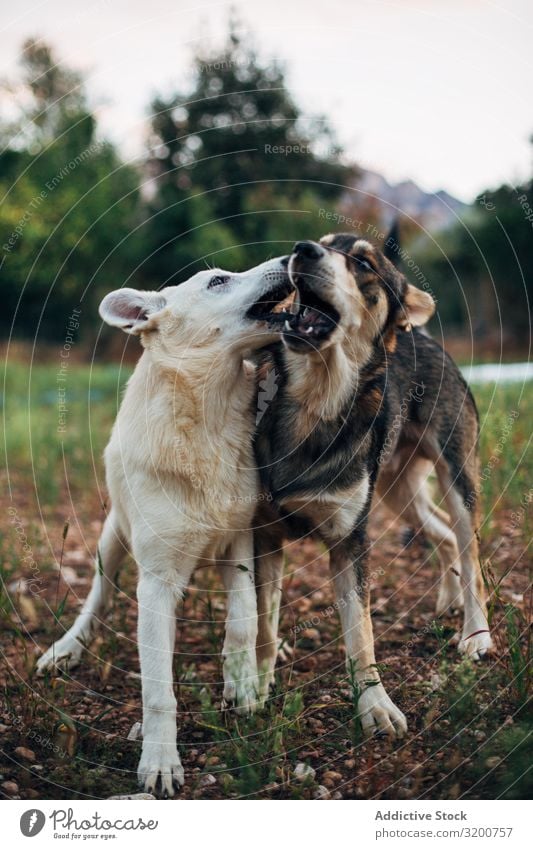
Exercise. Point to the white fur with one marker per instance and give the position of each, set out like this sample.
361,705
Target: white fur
182,480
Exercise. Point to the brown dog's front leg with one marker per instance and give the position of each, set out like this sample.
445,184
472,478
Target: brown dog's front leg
376,710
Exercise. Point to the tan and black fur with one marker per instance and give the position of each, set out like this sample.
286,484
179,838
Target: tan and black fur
367,406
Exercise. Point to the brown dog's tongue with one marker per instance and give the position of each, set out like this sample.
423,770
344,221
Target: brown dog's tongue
308,317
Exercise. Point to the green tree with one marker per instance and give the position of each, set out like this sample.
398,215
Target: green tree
237,145
482,269
68,204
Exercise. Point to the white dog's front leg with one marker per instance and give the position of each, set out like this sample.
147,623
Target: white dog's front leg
156,634
241,685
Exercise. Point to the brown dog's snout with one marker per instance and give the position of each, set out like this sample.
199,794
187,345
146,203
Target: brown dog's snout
308,250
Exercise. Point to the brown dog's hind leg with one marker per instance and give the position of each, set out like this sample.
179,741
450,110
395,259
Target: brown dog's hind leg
406,494
475,639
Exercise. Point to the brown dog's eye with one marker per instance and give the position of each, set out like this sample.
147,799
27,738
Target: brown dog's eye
362,263
217,281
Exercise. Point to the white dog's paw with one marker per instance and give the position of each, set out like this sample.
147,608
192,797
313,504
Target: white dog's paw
476,645
449,598
63,655
241,683
378,713
160,769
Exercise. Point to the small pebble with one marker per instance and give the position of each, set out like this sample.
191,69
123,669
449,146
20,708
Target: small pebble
303,771
311,634
332,776
135,731
10,788
321,792
25,754
134,796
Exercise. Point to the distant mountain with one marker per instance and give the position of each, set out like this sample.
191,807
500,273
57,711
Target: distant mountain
435,211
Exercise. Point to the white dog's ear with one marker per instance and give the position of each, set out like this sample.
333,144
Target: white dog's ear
132,310
417,308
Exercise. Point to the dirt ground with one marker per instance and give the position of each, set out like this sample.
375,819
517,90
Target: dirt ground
469,727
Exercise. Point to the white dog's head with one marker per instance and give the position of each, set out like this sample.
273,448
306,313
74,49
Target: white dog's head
236,312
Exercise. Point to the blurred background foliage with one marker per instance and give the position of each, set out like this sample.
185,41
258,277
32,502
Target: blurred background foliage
76,220
68,202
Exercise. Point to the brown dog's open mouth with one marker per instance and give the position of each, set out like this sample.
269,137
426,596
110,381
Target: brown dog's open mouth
313,322
274,305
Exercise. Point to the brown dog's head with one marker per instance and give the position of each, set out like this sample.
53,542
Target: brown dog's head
346,286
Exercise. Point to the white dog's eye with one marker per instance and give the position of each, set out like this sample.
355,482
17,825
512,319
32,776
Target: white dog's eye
219,280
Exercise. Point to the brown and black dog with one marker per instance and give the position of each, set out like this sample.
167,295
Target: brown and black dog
366,404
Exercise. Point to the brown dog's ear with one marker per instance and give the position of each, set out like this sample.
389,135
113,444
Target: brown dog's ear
417,308
391,246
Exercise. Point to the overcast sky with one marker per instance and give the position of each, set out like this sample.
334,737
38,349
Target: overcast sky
436,90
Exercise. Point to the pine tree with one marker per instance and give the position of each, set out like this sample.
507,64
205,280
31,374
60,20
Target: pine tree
237,141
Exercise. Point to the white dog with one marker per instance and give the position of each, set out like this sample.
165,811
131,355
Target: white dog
181,475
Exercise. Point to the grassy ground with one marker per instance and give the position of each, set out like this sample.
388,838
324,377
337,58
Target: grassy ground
469,728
